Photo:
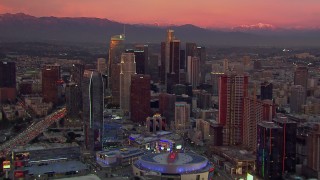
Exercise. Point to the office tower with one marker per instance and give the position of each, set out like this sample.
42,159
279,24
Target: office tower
233,89
72,100
128,68
182,116
204,100
140,98
266,90
154,67
297,98
93,93
139,59
50,78
269,149
156,123
289,133
257,65
116,48
7,81
313,146
183,62
170,60
102,65
145,49
301,77
166,106
191,50
202,54
76,77
193,73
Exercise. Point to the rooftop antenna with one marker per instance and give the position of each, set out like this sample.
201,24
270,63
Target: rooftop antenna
124,30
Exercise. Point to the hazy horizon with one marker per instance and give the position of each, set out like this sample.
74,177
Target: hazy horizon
203,13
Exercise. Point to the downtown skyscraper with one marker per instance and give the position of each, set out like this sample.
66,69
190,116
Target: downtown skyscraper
170,61
7,81
128,68
115,50
92,94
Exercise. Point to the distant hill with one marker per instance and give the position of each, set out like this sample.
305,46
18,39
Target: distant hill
22,27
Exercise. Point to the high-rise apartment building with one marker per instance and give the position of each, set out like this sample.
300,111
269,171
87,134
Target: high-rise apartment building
115,50
93,93
233,88
182,116
50,78
140,98
7,81
253,115
128,68
193,73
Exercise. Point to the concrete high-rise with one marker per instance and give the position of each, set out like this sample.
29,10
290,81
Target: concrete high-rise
182,116
253,115
297,98
50,78
7,81
116,48
128,68
193,73
233,88
93,93
140,96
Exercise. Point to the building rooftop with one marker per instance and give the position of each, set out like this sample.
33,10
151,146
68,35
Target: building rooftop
57,167
87,177
269,125
43,146
124,152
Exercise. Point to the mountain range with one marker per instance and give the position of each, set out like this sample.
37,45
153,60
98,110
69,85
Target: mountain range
22,27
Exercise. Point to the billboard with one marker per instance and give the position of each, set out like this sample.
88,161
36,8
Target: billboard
6,165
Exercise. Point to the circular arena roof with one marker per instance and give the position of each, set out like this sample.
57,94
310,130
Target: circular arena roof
179,163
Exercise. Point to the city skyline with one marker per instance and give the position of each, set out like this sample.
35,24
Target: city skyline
209,14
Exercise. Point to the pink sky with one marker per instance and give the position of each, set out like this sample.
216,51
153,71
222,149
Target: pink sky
204,13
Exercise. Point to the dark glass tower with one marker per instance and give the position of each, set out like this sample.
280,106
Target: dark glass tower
93,93
269,150
266,90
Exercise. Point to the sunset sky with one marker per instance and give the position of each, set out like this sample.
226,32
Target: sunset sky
204,13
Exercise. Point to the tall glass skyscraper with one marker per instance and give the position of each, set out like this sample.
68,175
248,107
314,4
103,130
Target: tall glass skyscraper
93,93
115,50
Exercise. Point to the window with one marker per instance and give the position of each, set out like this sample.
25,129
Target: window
198,177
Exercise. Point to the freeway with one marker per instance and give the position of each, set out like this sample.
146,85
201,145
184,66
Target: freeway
32,132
